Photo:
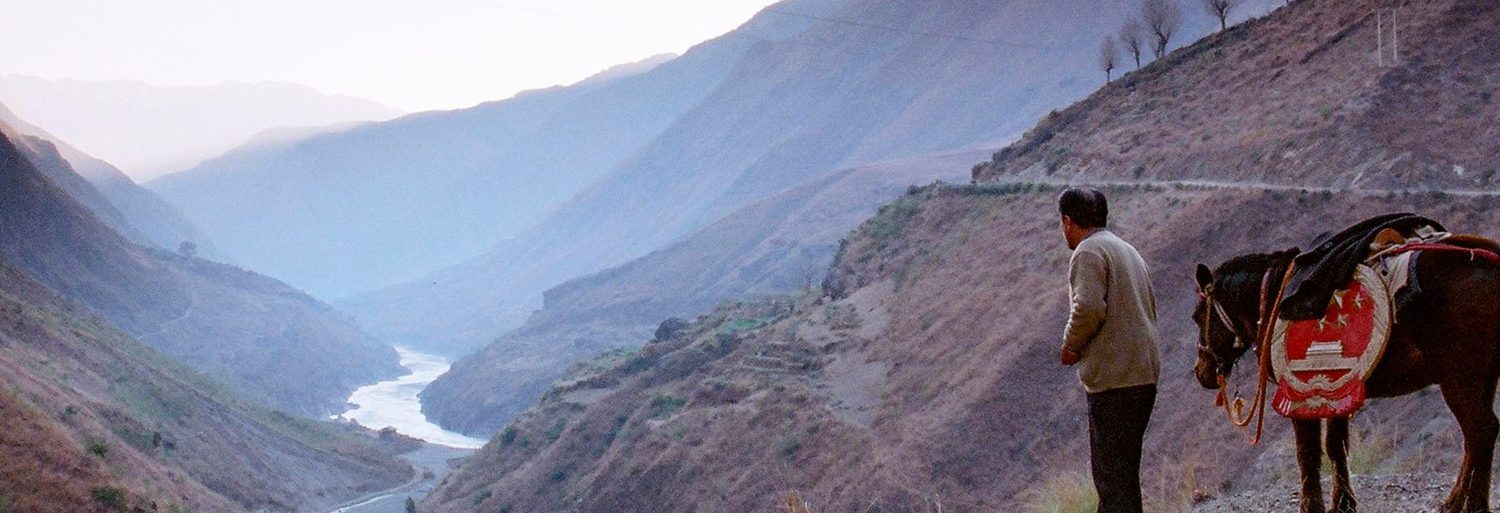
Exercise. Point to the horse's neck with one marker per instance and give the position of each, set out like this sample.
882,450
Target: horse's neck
1260,288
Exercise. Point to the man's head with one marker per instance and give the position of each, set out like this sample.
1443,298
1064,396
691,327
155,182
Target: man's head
1084,211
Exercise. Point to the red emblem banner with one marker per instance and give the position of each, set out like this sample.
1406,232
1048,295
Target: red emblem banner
1321,365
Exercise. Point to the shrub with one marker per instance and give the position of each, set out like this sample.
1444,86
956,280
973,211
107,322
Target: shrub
1064,493
670,329
411,505
109,497
891,219
788,446
508,436
480,497
557,475
557,429
664,405
98,447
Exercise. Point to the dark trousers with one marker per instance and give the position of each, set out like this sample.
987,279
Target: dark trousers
1117,426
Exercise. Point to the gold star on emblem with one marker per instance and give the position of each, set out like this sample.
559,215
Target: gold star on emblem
1323,324
1343,320
1338,297
1359,301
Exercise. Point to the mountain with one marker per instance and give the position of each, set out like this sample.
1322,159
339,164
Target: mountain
924,375
866,81
94,421
380,204
127,208
776,246
152,130
266,339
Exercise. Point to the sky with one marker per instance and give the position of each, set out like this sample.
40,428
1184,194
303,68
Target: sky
410,55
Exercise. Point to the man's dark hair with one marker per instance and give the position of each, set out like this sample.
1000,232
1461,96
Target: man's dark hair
1086,207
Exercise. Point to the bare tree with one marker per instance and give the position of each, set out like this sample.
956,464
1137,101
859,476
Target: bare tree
1130,35
1220,9
1162,18
1107,56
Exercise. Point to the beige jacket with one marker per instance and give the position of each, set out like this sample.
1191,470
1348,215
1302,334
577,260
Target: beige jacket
1112,319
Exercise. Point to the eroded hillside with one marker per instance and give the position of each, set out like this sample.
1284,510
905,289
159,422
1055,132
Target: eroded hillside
95,421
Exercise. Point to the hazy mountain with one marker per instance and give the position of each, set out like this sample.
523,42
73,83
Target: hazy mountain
927,374
379,204
95,421
775,246
266,339
129,209
150,130
866,81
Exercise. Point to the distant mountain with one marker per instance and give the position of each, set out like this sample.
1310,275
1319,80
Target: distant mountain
776,246
371,206
863,81
151,130
926,374
266,339
94,421
129,209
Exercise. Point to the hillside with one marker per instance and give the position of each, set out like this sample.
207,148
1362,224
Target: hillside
150,130
929,375
776,246
1229,110
870,80
269,341
127,208
925,378
94,421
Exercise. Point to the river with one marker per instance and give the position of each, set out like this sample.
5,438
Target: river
394,403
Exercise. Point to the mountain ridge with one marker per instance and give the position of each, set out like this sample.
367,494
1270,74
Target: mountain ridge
268,340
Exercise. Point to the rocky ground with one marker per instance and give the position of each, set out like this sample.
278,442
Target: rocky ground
1398,493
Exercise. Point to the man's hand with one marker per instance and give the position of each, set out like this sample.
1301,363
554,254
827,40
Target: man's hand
1070,358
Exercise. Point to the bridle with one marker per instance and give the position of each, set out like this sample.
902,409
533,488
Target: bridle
1267,308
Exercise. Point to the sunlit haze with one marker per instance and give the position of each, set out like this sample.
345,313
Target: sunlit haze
408,55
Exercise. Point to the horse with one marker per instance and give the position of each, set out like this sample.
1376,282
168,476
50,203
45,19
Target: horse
1448,335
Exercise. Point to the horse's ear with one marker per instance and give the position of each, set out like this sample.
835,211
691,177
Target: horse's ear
1205,277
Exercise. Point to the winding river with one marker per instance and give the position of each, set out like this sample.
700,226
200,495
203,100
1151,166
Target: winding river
394,403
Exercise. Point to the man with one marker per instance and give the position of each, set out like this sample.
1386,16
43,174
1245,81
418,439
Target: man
1111,337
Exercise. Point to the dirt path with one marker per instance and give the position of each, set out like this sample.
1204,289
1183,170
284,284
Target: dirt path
1401,493
192,304
429,465
1215,184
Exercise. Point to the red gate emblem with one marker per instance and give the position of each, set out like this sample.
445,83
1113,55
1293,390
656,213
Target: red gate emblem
1321,364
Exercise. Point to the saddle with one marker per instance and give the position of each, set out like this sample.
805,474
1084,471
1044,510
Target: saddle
1321,362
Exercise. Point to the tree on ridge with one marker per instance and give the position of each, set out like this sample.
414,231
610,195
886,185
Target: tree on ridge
1107,56
1162,18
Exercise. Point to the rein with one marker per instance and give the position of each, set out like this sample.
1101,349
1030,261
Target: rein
1265,321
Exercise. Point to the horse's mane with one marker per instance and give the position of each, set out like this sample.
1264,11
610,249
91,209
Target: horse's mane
1239,278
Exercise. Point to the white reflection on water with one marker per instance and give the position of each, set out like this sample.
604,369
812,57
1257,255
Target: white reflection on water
394,403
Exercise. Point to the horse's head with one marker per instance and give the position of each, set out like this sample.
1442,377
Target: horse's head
1229,310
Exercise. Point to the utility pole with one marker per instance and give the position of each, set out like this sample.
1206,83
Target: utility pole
1380,35
1395,42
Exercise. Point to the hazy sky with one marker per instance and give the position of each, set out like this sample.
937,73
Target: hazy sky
412,55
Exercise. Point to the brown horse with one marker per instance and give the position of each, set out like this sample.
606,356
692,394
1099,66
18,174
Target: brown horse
1448,335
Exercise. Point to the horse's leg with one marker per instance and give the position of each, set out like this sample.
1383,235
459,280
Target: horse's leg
1337,445
1309,460
1471,402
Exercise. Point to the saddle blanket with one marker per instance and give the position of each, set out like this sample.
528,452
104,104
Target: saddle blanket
1321,364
